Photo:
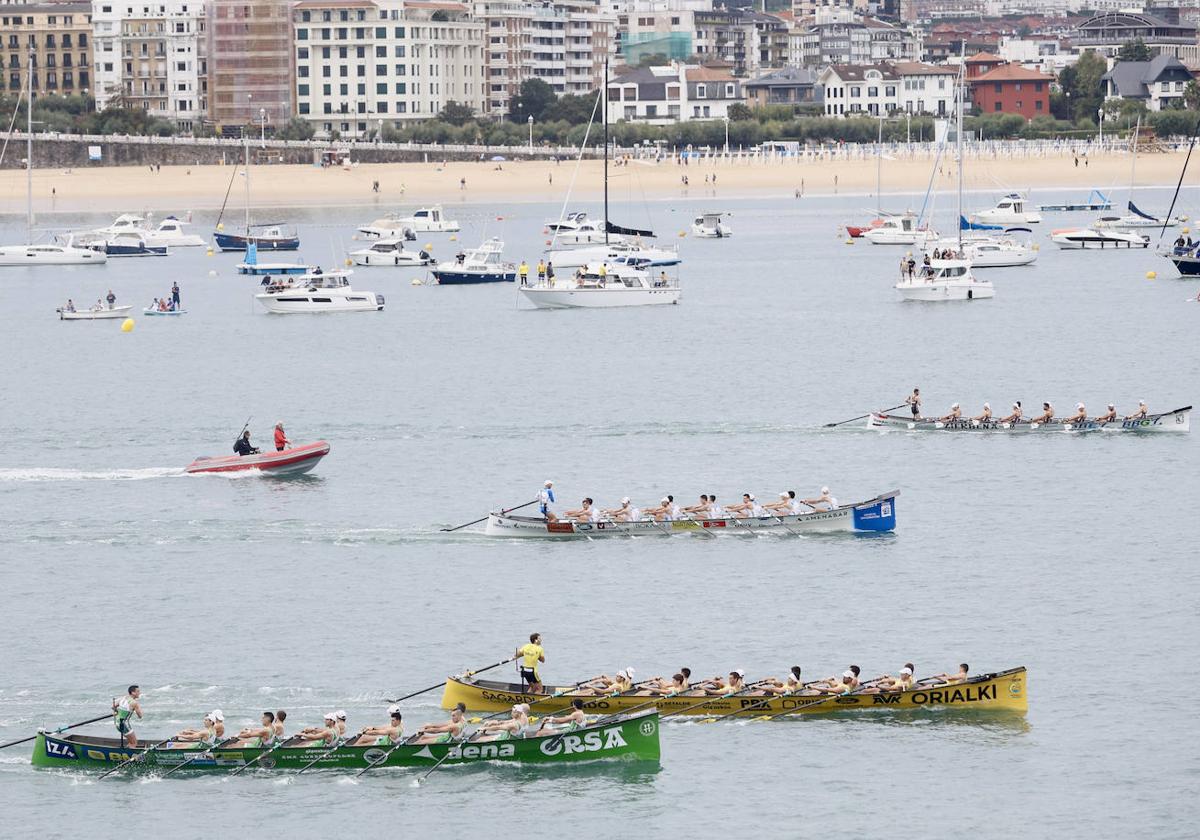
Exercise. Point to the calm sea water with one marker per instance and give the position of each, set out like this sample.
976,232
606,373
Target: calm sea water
1071,555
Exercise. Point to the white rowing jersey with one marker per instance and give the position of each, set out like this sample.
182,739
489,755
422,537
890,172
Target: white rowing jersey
674,512
545,499
757,510
795,507
715,512
634,514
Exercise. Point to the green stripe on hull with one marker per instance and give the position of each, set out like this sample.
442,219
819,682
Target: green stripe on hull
635,738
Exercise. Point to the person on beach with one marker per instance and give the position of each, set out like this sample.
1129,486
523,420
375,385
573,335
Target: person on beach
532,656
281,440
123,712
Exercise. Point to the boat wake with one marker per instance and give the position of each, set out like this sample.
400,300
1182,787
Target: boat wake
48,474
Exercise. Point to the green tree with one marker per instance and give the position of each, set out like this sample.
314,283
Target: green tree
532,100
740,111
572,109
456,113
653,60
1082,89
1135,50
1191,95
295,129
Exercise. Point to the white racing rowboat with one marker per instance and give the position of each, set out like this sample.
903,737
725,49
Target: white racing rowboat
877,514
1178,420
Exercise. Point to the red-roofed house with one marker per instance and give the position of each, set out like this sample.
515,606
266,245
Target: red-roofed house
1011,89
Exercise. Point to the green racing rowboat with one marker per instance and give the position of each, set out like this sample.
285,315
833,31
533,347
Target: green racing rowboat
632,737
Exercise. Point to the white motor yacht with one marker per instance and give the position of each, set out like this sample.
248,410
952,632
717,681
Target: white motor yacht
484,264
1010,210
982,251
50,253
711,226
170,232
598,285
425,220
943,280
1098,239
619,253
900,230
307,293
390,251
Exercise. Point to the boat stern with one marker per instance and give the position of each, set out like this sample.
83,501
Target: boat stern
877,515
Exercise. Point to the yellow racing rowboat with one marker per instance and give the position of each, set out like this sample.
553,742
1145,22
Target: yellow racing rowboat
1002,690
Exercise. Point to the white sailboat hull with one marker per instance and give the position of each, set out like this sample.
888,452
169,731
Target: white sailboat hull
50,255
549,298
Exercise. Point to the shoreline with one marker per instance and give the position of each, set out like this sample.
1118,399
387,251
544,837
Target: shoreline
182,189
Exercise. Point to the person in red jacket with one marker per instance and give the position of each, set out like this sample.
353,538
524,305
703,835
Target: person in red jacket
281,441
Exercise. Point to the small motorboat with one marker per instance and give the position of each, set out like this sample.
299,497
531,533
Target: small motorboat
1098,239
295,461
128,243
170,232
425,220
390,251
154,310
1009,210
944,280
326,292
1002,251
900,230
266,237
711,226
479,265
602,286
96,313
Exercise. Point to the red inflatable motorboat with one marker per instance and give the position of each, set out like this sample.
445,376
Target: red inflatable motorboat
294,461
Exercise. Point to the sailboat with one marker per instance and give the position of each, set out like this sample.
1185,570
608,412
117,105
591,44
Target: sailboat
1185,252
268,236
50,253
947,278
1135,218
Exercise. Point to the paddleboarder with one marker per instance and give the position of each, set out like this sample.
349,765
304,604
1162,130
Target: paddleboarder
532,656
123,712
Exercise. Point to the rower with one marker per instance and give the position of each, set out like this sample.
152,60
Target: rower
736,682
790,685
532,655
280,717
715,511
441,733
503,730
1046,416
123,712
258,736
985,415
625,513
326,735
340,716
955,414
1080,416
677,685
622,682
1140,413
783,506
914,399
387,735
951,679
281,441
1108,416
902,682
568,722
1015,417
663,512
823,502
243,446
700,508
545,499
742,508
584,513
212,731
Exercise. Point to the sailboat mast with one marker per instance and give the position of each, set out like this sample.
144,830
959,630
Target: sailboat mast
879,170
605,94
961,89
246,147
1137,130
29,153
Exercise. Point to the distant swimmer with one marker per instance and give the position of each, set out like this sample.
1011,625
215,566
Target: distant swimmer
1108,416
258,736
1140,413
123,713
441,733
951,679
243,446
985,415
390,734
1046,416
955,414
1080,416
503,730
532,656
1015,417
281,441
565,723
545,500
914,399
823,502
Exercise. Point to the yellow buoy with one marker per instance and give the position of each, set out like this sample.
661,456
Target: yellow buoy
127,325
220,226
209,252
416,281
453,238
1150,275
849,240
349,261
428,246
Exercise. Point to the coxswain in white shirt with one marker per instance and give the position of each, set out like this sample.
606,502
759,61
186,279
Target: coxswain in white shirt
545,500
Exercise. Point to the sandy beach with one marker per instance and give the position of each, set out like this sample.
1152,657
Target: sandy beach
180,189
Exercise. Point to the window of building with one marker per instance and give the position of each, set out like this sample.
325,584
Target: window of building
303,108
1018,85
856,91
872,92
301,34
1019,104
381,107
701,92
381,88
380,69
890,91
1037,106
1038,86
302,90
302,71
996,106
997,87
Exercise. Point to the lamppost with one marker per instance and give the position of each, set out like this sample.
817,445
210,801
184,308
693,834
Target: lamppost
262,131
726,135
531,134
1100,116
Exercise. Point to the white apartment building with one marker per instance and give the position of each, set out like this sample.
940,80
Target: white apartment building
562,42
855,41
363,63
886,88
675,93
152,55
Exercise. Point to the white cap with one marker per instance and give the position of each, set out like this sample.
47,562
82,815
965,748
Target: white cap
824,491
847,674
217,714
1141,402
1112,405
954,406
209,717
783,495
751,495
665,500
1016,405
341,713
280,423
624,500
394,709
987,405
331,716
907,671
547,483
523,708
1079,405
738,671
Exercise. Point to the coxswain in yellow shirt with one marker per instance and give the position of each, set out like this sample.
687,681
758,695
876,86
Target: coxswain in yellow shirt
532,655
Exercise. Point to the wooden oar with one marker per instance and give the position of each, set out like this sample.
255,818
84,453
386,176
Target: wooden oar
482,518
766,701
336,743
139,757
443,682
199,754
60,729
536,702
823,699
278,743
864,416
449,752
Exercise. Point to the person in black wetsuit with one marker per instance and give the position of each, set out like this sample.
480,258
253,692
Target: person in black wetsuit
243,445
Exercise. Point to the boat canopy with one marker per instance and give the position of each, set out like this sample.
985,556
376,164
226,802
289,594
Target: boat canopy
964,224
1134,210
624,231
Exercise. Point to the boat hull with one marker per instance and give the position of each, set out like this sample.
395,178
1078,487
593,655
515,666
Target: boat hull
301,301
872,516
295,461
632,738
605,298
151,311
468,278
1079,240
96,314
1000,691
376,260
12,255
1175,421
946,291
238,242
